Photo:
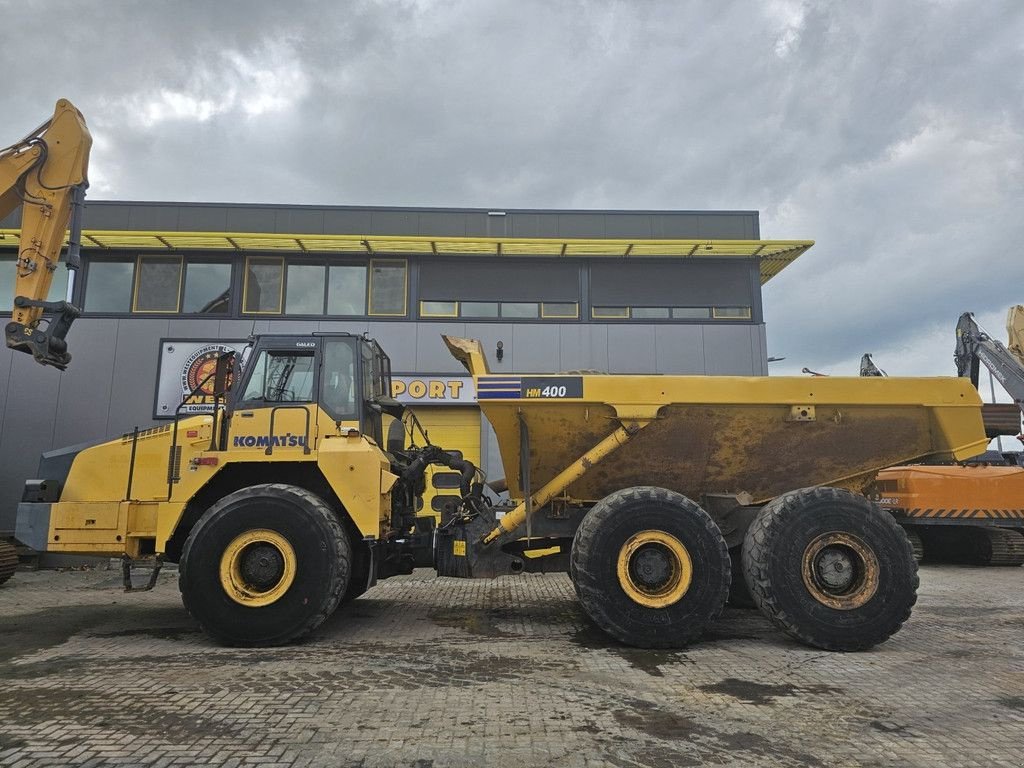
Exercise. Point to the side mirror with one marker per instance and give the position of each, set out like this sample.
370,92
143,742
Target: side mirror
389,405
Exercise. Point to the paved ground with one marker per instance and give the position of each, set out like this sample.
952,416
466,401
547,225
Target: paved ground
438,672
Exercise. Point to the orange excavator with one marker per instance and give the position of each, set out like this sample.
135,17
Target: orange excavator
46,174
970,512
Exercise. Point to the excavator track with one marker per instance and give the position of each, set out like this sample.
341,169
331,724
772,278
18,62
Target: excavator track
1000,547
8,561
915,543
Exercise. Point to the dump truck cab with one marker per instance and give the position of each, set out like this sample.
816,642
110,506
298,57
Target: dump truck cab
282,492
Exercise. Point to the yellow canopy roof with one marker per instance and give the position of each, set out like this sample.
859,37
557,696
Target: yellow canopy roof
775,255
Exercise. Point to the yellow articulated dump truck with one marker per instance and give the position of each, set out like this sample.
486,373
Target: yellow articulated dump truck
293,495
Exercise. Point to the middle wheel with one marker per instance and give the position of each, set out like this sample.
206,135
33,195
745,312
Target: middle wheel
650,567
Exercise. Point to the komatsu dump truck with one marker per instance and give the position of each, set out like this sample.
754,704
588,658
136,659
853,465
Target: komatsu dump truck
296,494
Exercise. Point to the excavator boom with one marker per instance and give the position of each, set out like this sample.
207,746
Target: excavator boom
47,174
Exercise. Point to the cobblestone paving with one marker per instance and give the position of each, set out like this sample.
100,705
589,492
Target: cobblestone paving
427,672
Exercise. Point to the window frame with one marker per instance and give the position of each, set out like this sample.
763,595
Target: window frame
245,285
216,261
405,287
284,288
432,315
748,316
574,316
138,279
365,265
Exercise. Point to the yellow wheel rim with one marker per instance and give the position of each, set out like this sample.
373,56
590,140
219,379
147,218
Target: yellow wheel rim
257,567
840,570
654,569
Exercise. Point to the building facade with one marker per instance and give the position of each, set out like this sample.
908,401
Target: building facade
544,290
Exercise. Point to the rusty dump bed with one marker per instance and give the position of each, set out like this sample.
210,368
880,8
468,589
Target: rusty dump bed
700,435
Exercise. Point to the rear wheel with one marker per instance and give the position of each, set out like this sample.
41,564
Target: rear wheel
264,566
830,569
8,561
650,567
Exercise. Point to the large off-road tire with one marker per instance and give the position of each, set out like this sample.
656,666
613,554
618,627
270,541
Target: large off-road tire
650,567
830,568
264,566
8,561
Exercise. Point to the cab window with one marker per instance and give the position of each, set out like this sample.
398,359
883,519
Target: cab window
281,377
338,391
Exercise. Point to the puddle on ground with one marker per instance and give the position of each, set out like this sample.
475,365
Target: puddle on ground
750,692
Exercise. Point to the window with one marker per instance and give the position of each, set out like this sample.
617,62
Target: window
691,313
518,309
560,310
649,313
305,293
479,309
346,290
387,288
610,312
207,288
158,284
109,286
439,308
731,313
58,283
338,390
281,377
264,280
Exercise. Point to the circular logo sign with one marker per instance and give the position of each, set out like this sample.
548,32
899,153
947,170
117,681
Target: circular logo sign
197,374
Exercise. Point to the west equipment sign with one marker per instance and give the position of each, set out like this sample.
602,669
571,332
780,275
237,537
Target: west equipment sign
184,363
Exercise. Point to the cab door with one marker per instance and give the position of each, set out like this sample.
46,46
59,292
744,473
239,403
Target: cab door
274,411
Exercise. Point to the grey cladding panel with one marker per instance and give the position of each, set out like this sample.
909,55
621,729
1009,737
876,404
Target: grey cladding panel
442,224
106,216
630,349
249,219
679,349
395,223
726,227
302,221
399,342
153,217
668,283
727,351
534,350
342,222
679,225
581,225
134,378
432,356
499,280
29,416
628,225
532,225
84,401
204,219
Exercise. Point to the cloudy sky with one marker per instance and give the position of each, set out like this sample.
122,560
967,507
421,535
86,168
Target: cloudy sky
892,133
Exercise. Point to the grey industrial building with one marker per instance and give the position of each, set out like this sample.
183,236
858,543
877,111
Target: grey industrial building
616,291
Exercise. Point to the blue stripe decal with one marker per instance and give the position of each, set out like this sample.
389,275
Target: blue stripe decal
499,395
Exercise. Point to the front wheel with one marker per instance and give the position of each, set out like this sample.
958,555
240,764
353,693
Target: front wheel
830,568
650,567
264,566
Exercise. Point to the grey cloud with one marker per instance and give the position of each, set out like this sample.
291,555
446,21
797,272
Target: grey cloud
891,133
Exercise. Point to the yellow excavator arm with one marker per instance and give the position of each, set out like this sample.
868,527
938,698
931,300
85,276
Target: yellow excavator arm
46,173
1015,330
